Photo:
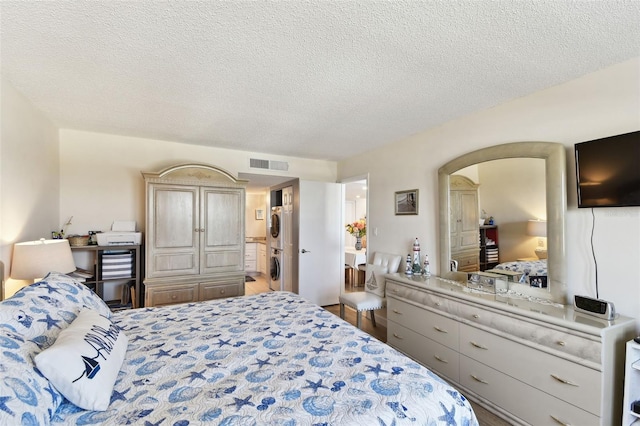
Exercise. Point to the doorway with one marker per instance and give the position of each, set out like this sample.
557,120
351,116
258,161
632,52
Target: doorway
355,210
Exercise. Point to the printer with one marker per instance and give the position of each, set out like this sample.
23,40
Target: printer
122,233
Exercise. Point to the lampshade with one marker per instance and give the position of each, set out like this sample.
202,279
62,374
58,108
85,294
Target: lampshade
537,228
35,259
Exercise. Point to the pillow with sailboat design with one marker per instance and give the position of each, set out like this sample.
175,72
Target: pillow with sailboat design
84,362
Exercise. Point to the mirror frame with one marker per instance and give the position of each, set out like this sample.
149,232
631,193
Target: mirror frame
556,199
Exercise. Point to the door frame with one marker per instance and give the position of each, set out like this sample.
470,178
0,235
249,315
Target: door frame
344,182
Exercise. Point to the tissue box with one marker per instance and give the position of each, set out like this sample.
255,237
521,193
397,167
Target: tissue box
487,281
512,276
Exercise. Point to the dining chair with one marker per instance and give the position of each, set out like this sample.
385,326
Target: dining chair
374,295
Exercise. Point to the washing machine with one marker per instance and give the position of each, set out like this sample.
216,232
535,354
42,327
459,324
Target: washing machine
276,257
276,227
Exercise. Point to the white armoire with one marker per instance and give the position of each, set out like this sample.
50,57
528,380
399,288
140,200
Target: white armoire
195,234
465,224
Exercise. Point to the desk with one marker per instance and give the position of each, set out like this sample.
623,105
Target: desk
353,258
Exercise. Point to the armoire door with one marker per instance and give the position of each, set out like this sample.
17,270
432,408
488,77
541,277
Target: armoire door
469,222
174,235
222,236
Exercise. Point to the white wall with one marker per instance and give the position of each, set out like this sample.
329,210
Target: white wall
254,227
513,191
597,105
29,175
101,180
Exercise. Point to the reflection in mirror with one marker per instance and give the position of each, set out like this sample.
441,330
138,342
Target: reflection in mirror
511,203
506,187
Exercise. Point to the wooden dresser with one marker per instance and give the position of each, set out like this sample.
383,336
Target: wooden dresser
529,362
195,235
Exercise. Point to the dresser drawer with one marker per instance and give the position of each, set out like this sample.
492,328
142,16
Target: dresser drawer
210,291
563,379
422,298
571,344
468,262
521,400
168,295
436,327
427,352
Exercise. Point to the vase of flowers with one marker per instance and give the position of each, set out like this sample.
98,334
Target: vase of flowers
357,229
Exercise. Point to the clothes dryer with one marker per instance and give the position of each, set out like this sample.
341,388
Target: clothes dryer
276,227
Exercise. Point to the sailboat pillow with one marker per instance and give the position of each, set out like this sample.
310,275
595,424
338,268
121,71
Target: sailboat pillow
84,362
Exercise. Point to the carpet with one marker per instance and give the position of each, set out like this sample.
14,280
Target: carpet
248,279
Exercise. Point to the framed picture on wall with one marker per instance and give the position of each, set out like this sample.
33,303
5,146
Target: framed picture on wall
406,202
259,214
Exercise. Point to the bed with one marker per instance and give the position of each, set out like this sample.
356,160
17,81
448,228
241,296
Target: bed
526,268
268,359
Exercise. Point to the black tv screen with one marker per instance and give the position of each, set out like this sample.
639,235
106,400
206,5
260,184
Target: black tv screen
608,171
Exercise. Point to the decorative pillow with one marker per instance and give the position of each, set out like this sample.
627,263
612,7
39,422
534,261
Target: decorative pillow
30,321
38,312
26,397
375,282
84,362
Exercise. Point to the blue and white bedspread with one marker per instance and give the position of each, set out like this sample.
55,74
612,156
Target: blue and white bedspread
269,359
534,267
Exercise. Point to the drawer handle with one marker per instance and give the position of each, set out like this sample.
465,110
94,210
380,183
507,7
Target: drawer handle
174,297
479,380
566,382
561,343
438,304
395,311
221,291
479,346
436,328
476,316
440,359
397,337
560,422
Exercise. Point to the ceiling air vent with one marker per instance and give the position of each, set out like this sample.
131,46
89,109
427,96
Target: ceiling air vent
256,163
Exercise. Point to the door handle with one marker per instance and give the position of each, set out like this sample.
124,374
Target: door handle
306,251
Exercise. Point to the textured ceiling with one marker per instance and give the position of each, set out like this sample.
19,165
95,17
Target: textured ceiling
316,79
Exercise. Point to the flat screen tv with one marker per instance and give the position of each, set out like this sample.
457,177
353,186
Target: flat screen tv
608,171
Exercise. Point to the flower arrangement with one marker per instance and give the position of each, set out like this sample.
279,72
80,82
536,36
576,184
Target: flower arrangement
357,228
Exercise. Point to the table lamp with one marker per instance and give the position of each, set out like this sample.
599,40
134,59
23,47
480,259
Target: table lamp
538,228
33,260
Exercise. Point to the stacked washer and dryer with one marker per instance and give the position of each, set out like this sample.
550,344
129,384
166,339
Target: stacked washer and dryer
281,243
277,249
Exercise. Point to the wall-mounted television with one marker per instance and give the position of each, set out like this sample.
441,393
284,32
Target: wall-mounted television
608,171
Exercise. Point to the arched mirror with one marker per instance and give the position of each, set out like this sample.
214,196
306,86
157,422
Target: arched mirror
459,189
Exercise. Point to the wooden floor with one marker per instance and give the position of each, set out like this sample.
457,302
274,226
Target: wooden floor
261,285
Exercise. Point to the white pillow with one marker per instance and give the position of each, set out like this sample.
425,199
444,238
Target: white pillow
84,362
375,282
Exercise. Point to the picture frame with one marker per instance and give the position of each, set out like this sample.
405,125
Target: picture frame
538,281
406,202
259,214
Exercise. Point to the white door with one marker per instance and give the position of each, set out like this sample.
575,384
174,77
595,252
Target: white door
319,246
